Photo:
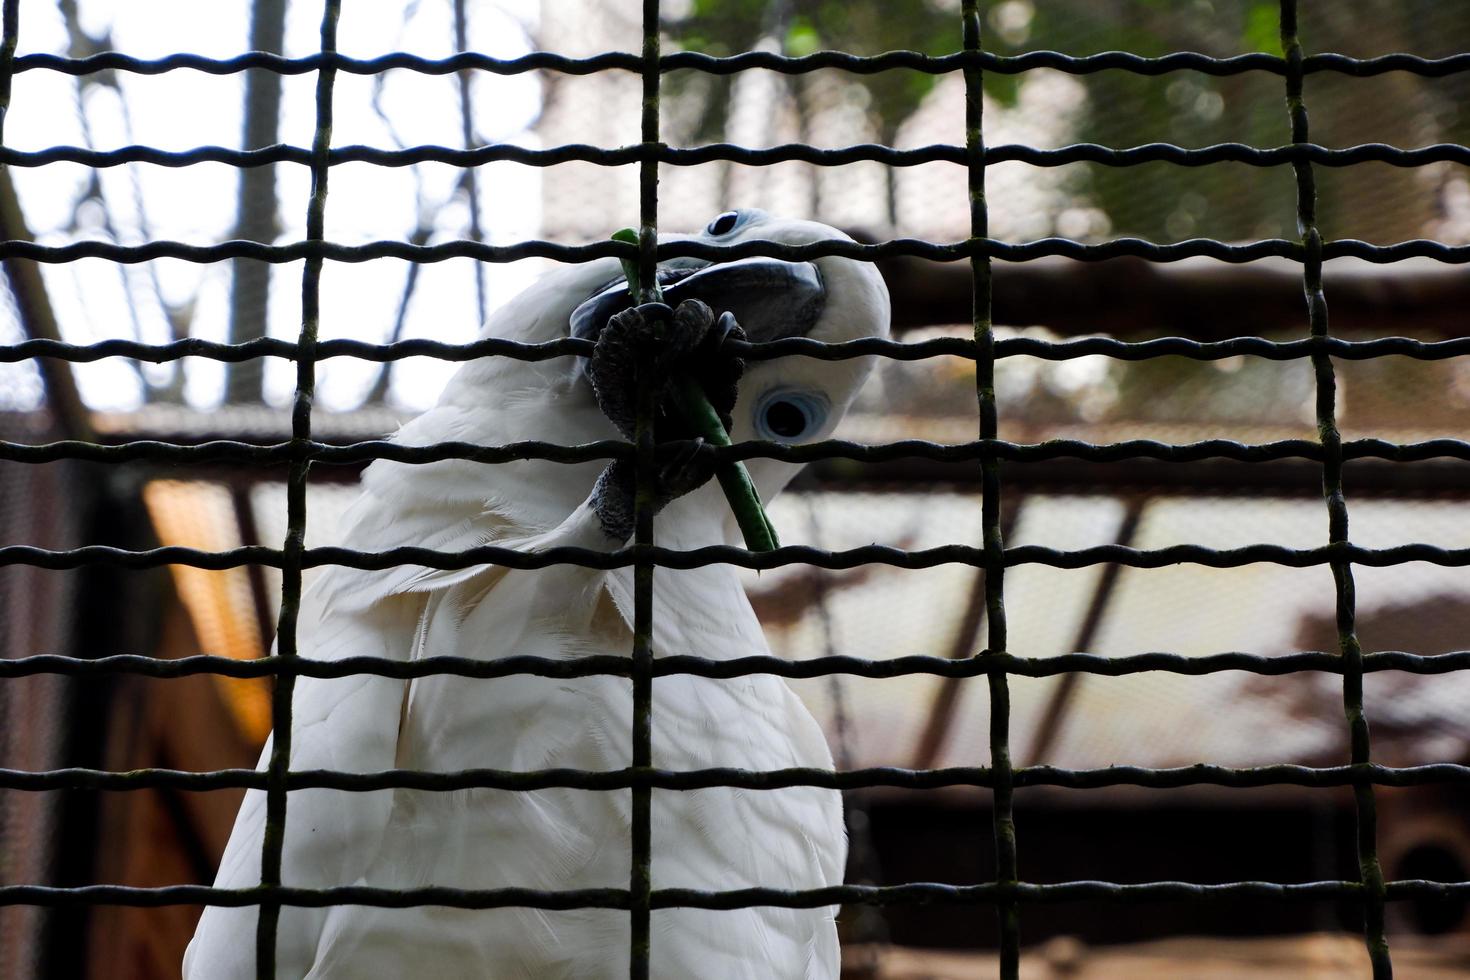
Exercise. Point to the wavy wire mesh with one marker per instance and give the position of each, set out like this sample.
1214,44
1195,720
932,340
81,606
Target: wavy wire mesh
1007,892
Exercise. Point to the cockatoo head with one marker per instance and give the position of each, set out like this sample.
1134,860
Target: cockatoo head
788,400
832,299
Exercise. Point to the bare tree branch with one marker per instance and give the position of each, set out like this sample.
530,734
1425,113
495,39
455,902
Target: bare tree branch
256,202
468,181
38,320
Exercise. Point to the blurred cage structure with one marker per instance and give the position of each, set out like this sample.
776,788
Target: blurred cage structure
215,531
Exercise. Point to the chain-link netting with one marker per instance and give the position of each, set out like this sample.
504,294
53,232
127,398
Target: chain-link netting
985,452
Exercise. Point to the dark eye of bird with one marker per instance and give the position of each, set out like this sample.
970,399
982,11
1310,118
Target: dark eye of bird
724,224
785,419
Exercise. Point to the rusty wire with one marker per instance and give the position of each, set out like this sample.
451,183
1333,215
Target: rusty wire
1008,892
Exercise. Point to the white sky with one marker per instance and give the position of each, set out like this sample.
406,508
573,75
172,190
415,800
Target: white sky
184,109
96,300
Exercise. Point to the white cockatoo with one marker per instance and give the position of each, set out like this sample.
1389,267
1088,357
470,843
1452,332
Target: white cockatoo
715,839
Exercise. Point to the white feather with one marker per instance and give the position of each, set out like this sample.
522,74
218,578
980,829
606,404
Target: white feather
714,839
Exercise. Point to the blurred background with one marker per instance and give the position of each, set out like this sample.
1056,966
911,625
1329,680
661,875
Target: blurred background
1198,834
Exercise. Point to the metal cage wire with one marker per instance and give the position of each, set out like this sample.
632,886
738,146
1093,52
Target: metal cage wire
1007,892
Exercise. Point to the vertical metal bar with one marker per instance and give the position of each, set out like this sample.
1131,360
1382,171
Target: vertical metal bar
640,882
9,37
1370,873
1003,819
939,716
311,276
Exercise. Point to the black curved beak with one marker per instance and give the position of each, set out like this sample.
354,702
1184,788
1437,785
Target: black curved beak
770,299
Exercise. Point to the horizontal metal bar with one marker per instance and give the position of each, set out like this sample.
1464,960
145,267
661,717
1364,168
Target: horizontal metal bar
751,156
92,895
1168,153
1349,350
825,666
619,779
223,450
940,252
696,61
1274,479
921,893
228,450
300,250
288,350
954,554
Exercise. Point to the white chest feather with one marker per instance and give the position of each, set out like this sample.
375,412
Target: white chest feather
715,839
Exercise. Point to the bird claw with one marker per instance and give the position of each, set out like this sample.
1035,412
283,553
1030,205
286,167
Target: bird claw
682,466
688,467
661,343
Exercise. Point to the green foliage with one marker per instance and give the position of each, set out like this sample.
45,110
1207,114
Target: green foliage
1263,27
1160,202
801,27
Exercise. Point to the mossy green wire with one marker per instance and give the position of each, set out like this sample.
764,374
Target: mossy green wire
695,408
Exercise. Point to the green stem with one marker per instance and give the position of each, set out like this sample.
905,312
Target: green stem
630,268
734,479
700,415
